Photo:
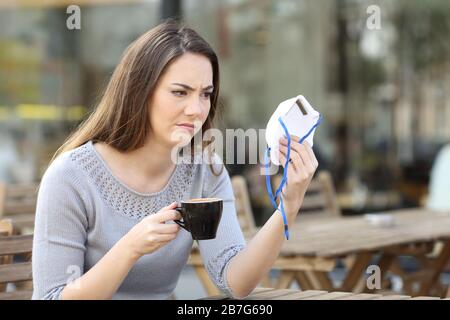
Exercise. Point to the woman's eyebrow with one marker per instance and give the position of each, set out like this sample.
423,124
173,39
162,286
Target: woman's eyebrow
185,86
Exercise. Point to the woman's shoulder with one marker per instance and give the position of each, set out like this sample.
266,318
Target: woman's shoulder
206,164
214,171
214,166
216,181
64,167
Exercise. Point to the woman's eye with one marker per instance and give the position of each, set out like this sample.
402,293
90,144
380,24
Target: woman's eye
207,95
179,93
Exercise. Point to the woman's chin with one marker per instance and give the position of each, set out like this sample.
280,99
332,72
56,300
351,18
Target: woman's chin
181,138
181,141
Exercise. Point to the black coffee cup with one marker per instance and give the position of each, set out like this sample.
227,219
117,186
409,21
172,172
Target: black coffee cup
201,217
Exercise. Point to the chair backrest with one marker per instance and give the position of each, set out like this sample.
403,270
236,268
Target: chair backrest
6,227
10,271
243,204
320,198
18,199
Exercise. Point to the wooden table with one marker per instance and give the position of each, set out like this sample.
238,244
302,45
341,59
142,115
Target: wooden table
290,294
316,243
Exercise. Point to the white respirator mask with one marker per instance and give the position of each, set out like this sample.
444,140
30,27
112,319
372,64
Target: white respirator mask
294,116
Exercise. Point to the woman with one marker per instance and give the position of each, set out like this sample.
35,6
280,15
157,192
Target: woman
104,221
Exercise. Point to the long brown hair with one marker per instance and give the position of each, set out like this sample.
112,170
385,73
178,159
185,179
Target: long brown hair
121,119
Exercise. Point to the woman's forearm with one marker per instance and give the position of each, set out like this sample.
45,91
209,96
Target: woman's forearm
104,278
250,265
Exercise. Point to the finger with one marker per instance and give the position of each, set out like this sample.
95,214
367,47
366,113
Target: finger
302,162
167,228
301,149
295,138
310,163
171,206
165,237
292,165
295,142
295,159
312,156
281,158
167,215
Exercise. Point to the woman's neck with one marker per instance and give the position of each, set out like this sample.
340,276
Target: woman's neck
151,160
145,170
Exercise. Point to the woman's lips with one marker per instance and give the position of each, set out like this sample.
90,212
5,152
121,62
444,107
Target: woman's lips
186,126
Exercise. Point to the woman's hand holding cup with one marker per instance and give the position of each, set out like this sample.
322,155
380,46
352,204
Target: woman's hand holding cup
152,232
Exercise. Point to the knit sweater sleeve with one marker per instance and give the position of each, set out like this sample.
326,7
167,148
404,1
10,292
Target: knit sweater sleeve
217,253
60,230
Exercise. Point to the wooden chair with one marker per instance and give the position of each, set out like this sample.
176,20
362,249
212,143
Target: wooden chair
11,272
243,204
6,228
320,198
18,203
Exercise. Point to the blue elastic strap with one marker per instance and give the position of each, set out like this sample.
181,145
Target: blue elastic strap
268,184
284,178
288,156
272,199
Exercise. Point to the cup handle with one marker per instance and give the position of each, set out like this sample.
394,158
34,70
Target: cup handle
181,223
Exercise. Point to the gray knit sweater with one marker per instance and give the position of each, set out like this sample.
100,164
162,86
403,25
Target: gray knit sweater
83,210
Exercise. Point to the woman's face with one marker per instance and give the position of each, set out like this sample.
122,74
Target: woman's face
181,101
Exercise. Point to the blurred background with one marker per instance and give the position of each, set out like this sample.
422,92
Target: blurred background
384,90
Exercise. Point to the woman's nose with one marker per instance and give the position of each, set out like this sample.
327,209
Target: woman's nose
194,107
